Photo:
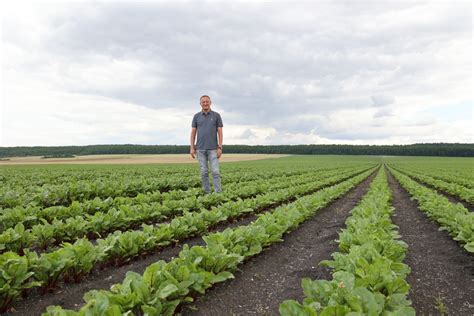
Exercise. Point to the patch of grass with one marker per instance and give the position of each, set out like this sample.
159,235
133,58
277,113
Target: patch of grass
441,306
57,156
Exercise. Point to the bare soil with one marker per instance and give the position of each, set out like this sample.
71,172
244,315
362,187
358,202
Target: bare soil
264,281
442,272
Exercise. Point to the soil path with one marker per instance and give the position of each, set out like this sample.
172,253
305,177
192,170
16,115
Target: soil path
70,295
275,275
442,273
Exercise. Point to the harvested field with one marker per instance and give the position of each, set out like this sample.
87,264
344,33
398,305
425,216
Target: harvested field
130,159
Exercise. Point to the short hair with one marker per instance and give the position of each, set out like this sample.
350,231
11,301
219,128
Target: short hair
204,96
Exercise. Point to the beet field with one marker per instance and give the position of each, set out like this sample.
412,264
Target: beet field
296,235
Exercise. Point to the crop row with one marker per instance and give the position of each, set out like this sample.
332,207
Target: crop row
65,194
73,261
27,179
128,216
460,173
32,177
465,194
454,218
32,215
50,195
460,178
368,273
38,176
165,285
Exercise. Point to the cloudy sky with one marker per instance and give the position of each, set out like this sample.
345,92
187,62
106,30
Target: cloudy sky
371,72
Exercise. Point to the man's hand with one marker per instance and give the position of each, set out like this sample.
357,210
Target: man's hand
219,153
193,152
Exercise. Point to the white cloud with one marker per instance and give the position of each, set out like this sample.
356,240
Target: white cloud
49,118
249,135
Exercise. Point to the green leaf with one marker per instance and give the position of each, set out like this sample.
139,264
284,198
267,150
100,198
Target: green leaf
167,291
58,311
222,277
398,285
335,311
150,310
293,308
469,247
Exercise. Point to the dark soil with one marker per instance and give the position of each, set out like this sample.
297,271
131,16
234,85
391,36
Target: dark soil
442,272
275,275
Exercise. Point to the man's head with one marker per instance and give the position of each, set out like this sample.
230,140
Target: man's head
205,102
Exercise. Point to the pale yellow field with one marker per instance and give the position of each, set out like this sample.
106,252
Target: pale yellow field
130,159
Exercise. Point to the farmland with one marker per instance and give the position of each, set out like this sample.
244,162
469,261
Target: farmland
294,235
125,159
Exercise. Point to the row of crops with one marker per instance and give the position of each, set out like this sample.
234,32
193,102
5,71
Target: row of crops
368,271
369,276
443,190
198,268
101,217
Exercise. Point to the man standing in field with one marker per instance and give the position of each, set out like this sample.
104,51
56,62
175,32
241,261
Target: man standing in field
208,125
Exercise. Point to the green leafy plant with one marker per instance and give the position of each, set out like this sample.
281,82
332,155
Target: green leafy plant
164,286
368,272
16,276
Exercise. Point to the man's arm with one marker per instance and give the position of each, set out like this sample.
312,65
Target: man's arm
221,138
192,141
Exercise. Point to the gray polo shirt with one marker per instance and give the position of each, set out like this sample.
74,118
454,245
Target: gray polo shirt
206,125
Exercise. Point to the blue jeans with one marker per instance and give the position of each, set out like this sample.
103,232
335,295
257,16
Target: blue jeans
205,156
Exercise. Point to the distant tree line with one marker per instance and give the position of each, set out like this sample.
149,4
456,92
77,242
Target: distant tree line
433,149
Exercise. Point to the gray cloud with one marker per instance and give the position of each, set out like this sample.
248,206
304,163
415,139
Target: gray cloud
383,112
247,134
382,100
287,67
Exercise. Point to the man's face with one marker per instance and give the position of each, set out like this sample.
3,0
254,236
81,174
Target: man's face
205,104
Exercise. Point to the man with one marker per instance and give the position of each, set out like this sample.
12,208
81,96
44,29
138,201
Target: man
208,125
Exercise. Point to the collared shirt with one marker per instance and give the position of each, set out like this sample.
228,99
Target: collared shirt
206,125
